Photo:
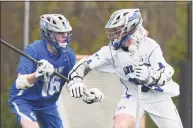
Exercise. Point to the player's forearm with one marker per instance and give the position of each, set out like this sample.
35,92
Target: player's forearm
25,81
85,65
80,70
31,78
162,71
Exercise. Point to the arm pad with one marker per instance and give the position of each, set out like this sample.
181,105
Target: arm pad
80,69
22,83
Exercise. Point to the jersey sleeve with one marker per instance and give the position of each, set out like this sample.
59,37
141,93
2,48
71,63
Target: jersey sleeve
26,66
101,60
157,60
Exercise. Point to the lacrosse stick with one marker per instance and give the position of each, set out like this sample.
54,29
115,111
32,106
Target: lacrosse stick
35,61
138,107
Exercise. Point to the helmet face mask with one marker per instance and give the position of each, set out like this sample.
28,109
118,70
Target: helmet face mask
56,30
62,37
115,33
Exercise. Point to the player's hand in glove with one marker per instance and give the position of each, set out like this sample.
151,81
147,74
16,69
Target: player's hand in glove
45,68
76,87
96,96
142,73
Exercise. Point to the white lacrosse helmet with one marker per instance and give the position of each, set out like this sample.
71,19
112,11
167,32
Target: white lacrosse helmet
50,24
122,24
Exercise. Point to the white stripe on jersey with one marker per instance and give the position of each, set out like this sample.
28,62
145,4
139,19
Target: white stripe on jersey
20,93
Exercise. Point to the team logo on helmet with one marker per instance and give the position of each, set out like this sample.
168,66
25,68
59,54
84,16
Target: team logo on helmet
43,24
134,16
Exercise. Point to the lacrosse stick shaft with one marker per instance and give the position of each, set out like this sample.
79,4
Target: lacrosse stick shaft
18,51
30,58
138,107
35,61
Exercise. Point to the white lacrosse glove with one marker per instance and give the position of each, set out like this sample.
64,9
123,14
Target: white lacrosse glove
142,74
76,87
96,96
45,68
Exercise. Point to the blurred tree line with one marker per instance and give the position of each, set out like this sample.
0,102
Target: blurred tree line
165,21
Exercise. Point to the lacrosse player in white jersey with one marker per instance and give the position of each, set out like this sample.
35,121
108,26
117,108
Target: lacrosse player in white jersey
138,61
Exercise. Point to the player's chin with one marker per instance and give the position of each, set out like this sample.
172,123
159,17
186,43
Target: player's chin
63,44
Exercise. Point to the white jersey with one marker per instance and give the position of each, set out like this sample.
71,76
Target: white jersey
121,63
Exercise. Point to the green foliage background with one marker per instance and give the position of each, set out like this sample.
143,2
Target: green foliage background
165,21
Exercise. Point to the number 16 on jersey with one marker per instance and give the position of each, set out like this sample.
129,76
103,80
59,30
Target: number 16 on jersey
51,86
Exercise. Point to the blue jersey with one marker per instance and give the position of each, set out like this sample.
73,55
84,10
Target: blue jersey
43,93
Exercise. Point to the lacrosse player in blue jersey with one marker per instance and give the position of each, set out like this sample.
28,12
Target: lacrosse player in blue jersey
35,90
